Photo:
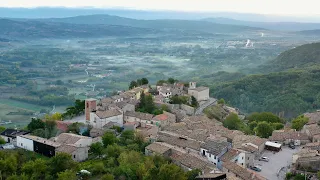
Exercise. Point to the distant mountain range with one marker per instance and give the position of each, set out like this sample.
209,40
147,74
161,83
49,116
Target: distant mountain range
60,12
278,26
106,25
35,29
191,25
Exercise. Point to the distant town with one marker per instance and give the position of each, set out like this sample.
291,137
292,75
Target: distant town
171,117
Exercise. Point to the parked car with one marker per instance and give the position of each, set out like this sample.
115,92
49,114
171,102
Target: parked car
292,146
266,159
255,168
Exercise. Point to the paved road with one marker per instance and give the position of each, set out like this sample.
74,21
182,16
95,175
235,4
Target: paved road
280,160
209,102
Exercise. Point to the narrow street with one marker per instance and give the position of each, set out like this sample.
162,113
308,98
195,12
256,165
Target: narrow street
209,102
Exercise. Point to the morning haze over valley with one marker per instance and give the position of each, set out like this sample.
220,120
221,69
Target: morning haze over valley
168,90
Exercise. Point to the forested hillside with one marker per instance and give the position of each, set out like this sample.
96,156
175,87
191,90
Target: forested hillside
307,55
293,91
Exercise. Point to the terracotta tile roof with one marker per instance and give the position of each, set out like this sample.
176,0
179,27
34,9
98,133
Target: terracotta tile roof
108,113
315,146
158,148
215,147
69,138
116,97
95,132
313,117
239,140
314,129
134,102
308,159
66,149
178,141
232,153
127,95
306,153
107,100
160,117
258,141
42,140
248,148
239,171
191,161
63,126
282,136
143,116
121,104
315,137
136,90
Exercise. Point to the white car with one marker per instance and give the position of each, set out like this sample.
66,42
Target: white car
266,159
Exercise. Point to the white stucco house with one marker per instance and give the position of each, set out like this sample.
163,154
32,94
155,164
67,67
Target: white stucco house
214,150
166,92
242,158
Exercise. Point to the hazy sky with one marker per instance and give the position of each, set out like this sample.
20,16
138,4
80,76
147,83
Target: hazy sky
277,7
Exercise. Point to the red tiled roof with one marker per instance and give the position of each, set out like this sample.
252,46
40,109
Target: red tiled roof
161,117
62,126
230,154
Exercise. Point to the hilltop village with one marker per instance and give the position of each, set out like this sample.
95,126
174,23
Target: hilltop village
170,119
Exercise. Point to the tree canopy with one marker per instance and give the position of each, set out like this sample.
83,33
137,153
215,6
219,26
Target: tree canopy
264,129
35,124
109,138
299,122
232,122
264,116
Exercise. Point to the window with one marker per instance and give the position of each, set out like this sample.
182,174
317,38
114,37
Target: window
21,144
74,156
87,105
248,158
242,157
214,157
242,164
209,155
218,160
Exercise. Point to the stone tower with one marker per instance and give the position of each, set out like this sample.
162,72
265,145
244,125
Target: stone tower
192,85
91,105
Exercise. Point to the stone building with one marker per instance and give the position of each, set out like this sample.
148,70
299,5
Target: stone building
100,118
200,93
91,105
